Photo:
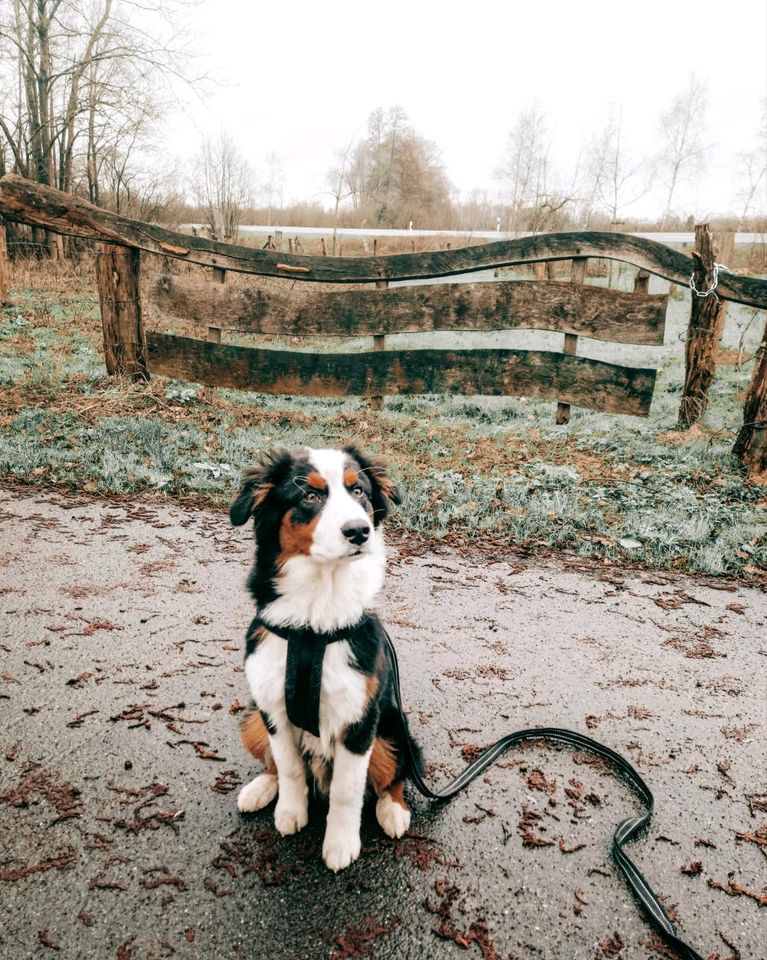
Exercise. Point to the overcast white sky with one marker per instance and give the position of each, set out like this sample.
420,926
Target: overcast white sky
299,79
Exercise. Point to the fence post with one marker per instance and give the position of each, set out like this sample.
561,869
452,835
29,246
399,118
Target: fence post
214,333
543,270
577,276
642,282
117,278
379,343
751,445
5,279
703,333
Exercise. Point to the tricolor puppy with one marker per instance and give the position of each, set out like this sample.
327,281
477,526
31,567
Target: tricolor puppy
314,658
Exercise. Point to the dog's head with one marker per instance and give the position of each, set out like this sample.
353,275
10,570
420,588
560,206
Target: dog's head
323,504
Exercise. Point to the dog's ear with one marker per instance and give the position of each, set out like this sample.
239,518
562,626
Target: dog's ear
257,484
385,491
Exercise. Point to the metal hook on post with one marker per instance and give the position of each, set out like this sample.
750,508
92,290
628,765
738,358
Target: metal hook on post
713,283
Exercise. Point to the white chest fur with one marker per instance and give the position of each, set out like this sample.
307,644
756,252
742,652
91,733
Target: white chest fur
343,691
327,596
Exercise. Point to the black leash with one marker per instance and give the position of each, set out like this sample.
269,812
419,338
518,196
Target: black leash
303,676
625,832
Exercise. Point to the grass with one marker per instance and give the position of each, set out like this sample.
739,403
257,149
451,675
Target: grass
497,469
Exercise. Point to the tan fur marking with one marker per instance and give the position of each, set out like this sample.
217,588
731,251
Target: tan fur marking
383,765
258,635
397,793
295,538
388,487
371,685
350,476
262,493
255,739
317,481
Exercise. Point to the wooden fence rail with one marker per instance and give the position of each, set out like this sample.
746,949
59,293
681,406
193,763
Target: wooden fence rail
532,373
574,309
540,305
42,206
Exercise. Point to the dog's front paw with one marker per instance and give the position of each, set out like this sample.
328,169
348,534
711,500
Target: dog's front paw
257,794
340,848
393,818
291,815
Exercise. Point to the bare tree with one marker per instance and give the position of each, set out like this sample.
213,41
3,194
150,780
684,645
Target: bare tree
223,186
523,172
682,128
80,82
396,176
273,184
751,174
338,185
613,180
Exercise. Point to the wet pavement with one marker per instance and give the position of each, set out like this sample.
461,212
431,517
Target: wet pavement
120,691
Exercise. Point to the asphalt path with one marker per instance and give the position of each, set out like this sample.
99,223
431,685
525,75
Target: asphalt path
120,692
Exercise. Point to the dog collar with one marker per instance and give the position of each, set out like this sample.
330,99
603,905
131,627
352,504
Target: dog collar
303,670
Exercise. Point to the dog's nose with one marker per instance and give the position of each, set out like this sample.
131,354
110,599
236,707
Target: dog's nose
356,532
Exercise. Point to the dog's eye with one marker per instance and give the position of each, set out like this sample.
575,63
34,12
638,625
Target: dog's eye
357,492
310,497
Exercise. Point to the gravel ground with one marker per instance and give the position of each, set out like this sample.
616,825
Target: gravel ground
120,691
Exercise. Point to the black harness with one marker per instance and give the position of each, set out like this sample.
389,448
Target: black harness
306,651
303,672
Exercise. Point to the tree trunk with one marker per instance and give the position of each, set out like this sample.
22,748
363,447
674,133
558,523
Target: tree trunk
703,333
751,446
117,277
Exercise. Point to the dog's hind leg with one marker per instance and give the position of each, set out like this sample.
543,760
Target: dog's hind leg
263,789
257,794
392,812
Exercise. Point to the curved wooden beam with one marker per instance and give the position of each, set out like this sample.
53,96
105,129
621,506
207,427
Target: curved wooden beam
531,373
28,202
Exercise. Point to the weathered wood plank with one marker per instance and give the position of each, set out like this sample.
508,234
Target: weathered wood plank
5,279
589,311
751,444
642,282
704,331
532,373
214,328
33,203
117,279
570,348
379,344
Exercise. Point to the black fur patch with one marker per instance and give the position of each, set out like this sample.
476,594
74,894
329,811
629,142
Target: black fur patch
359,735
252,638
268,722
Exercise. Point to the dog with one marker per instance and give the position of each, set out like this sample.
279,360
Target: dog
319,568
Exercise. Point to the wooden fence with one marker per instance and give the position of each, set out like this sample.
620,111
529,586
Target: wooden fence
573,308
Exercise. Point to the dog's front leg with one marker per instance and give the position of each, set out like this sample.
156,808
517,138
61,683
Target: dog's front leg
347,792
292,811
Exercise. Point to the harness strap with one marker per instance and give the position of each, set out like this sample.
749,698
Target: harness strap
303,669
625,832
